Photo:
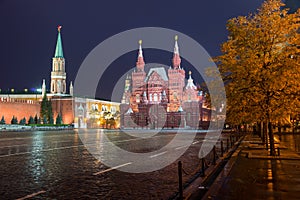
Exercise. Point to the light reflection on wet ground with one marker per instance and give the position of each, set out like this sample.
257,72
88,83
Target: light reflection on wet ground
263,178
291,141
57,165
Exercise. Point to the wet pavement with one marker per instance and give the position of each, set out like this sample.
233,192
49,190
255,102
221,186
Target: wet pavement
56,165
261,176
291,141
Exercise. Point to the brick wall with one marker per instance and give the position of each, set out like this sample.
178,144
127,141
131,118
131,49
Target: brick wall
64,106
19,110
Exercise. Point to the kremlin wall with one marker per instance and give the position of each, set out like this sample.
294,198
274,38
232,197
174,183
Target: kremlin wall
18,108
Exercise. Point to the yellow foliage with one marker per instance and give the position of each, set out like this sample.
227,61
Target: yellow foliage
260,64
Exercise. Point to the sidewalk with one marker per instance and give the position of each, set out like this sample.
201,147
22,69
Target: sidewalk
197,189
252,174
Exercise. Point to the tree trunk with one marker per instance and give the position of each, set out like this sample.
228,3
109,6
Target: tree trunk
279,128
254,129
265,137
259,128
271,137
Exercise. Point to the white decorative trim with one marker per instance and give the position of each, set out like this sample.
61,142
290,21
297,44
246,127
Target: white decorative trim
58,76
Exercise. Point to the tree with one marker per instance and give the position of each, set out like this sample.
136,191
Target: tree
45,121
44,107
58,119
31,120
2,120
106,116
112,122
39,120
14,120
260,66
51,120
36,119
46,110
22,121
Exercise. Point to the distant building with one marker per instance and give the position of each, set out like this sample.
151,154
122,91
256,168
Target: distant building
160,99
81,112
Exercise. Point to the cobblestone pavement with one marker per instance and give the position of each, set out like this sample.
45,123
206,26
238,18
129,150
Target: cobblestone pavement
56,165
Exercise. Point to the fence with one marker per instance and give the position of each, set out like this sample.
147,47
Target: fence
219,151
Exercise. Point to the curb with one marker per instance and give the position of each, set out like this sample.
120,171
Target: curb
200,186
251,156
219,180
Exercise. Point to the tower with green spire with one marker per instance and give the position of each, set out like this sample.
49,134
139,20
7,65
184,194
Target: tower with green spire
58,74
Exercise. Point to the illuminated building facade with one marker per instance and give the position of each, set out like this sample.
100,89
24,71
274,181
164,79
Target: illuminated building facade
162,99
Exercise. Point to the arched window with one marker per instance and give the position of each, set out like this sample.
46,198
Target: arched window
55,66
104,108
59,86
113,109
172,119
137,98
188,116
155,97
53,85
150,97
64,87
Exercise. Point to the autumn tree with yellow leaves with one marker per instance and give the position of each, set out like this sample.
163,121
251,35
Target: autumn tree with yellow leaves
260,66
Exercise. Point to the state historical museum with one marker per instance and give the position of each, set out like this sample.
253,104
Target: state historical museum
160,98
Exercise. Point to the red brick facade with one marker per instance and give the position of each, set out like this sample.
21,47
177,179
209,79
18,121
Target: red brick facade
162,100
65,107
19,109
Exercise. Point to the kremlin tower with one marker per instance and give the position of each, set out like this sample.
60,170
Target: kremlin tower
58,74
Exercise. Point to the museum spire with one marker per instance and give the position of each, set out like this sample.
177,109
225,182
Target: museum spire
176,55
140,60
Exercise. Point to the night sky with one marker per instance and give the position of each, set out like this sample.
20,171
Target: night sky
28,32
